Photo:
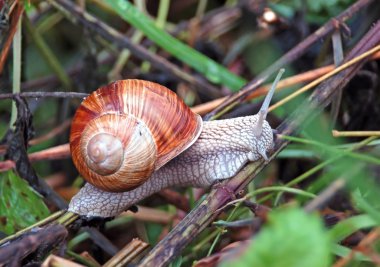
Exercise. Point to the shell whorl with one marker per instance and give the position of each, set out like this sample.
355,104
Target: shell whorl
105,153
126,130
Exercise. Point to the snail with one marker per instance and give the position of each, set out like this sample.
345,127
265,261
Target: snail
132,138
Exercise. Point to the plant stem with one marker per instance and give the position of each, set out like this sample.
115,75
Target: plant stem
16,82
48,55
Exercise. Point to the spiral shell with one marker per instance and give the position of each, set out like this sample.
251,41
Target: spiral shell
124,131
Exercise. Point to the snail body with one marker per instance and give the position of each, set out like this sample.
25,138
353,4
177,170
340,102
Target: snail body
208,151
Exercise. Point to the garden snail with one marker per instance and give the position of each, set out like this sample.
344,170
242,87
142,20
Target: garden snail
124,131
132,138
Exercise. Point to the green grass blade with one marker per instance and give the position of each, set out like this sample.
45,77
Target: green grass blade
359,156
349,226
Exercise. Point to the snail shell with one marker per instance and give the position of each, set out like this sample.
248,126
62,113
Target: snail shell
124,131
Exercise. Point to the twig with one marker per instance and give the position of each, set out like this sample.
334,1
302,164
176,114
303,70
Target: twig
16,79
147,214
15,15
13,253
127,254
54,132
54,260
289,57
205,212
336,133
57,152
101,241
338,59
38,224
44,95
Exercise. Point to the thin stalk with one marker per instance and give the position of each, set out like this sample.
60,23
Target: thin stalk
338,59
79,238
45,221
221,231
283,189
16,82
160,22
49,22
48,55
162,15
336,133
136,38
201,8
366,158
45,95
123,57
206,240
67,218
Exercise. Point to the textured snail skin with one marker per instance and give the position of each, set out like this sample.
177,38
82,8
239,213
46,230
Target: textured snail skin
221,150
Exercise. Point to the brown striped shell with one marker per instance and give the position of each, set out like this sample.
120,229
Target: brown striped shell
124,131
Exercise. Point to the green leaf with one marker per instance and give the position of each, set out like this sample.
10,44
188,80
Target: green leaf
290,238
349,226
213,71
177,262
342,251
20,205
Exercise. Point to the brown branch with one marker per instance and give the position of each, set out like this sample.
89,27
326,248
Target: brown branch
54,260
289,57
101,241
147,214
54,132
17,10
132,250
47,238
57,152
200,217
44,95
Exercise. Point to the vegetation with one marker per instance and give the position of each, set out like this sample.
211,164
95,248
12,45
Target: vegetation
316,202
